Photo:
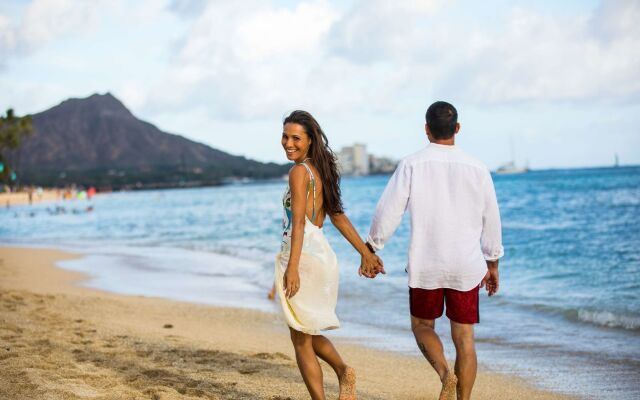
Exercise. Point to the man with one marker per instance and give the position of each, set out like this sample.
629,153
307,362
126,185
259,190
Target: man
455,243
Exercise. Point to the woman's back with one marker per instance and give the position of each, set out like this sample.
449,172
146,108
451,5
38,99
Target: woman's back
315,210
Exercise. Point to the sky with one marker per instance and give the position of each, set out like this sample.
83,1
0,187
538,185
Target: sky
551,84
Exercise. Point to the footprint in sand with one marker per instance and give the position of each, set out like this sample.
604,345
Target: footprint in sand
271,356
249,371
8,354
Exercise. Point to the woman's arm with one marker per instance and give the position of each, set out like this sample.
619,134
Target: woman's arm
298,183
370,264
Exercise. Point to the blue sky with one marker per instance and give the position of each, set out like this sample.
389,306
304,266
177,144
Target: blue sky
561,80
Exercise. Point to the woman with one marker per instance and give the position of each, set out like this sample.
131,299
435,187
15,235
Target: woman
306,267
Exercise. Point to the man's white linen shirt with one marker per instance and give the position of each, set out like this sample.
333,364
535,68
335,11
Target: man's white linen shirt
455,222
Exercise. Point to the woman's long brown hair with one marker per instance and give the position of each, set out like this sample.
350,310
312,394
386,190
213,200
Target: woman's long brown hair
323,158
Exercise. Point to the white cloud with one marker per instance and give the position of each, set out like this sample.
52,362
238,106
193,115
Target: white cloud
132,94
379,30
187,8
8,40
246,59
29,97
253,59
7,34
44,21
547,58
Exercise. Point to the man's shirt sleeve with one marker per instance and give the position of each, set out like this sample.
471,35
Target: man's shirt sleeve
491,239
391,207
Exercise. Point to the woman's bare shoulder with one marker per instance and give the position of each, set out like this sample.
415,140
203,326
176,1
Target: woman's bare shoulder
298,175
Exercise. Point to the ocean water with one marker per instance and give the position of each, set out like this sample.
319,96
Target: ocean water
567,317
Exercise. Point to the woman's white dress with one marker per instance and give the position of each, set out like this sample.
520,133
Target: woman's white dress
313,308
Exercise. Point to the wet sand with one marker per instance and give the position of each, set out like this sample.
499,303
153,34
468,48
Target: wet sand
62,341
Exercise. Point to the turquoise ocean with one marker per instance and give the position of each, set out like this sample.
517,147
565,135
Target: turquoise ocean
566,319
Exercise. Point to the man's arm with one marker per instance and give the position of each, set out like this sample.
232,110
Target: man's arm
391,207
491,280
491,239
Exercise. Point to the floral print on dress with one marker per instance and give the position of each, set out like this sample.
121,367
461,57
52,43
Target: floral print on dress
286,221
288,214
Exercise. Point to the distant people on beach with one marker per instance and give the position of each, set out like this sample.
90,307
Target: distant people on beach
306,267
272,293
455,244
31,194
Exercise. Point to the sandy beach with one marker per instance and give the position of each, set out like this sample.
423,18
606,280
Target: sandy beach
59,340
22,198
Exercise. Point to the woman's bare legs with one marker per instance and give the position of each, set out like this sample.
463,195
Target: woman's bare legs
308,348
308,363
325,350
346,375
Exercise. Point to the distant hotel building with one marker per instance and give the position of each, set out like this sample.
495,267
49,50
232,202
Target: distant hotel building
354,160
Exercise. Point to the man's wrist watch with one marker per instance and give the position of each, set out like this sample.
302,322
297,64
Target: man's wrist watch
370,247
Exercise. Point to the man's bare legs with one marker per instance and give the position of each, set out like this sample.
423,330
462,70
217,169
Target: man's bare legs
466,361
429,344
307,347
431,347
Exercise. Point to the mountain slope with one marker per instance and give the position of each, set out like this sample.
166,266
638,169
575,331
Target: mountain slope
98,133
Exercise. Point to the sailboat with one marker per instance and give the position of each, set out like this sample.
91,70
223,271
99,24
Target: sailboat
511,167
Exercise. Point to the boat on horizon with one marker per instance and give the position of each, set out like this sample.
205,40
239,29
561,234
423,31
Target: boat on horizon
511,168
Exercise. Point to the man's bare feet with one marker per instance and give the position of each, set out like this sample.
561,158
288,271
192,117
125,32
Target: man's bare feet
449,383
348,384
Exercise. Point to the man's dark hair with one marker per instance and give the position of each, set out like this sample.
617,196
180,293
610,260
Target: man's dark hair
442,118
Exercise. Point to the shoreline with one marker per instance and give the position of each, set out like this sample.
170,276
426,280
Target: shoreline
13,199
77,342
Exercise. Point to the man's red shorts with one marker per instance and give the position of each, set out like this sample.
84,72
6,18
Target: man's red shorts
462,307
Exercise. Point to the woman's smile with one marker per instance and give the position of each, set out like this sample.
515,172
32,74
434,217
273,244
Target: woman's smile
295,141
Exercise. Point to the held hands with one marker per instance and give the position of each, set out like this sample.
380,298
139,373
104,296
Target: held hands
291,282
370,265
491,280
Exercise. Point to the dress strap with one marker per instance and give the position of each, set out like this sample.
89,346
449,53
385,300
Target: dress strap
313,184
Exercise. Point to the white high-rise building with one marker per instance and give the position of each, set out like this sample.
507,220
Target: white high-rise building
353,160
